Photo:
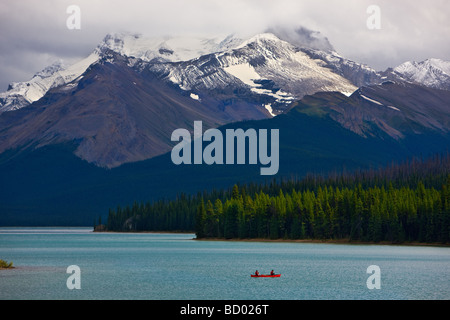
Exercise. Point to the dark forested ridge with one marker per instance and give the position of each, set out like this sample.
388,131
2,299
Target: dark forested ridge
407,202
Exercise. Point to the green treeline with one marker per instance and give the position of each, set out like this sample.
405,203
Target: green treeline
163,215
375,214
407,202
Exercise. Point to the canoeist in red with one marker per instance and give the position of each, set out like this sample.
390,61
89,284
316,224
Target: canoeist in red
256,273
272,273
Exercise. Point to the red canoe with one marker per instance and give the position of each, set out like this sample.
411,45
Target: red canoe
265,276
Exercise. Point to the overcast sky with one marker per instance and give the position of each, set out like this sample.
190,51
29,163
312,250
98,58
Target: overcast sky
33,33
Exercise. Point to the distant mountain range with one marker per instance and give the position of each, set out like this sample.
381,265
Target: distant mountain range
76,140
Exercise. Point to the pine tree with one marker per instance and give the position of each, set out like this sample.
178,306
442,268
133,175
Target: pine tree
231,220
210,226
235,192
218,209
200,220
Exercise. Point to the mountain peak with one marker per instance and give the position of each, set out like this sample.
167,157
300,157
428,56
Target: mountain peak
259,38
168,48
127,44
432,72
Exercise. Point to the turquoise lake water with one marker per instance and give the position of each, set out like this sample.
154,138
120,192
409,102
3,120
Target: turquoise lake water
175,267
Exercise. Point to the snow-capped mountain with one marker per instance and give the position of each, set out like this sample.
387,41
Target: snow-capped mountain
264,67
22,94
122,102
275,67
169,49
434,73
166,49
272,69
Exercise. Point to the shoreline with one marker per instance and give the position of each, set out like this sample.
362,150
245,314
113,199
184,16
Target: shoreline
330,241
318,241
155,232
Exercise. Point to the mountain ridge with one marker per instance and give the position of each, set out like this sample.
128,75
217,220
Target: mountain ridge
256,78
182,49
243,83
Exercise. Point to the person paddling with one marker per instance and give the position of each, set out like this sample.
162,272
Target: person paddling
256,273
272,273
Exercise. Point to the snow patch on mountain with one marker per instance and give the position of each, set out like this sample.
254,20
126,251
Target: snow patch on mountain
371,100
269,108
244,72
194,96
377,102
393,108
247,74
